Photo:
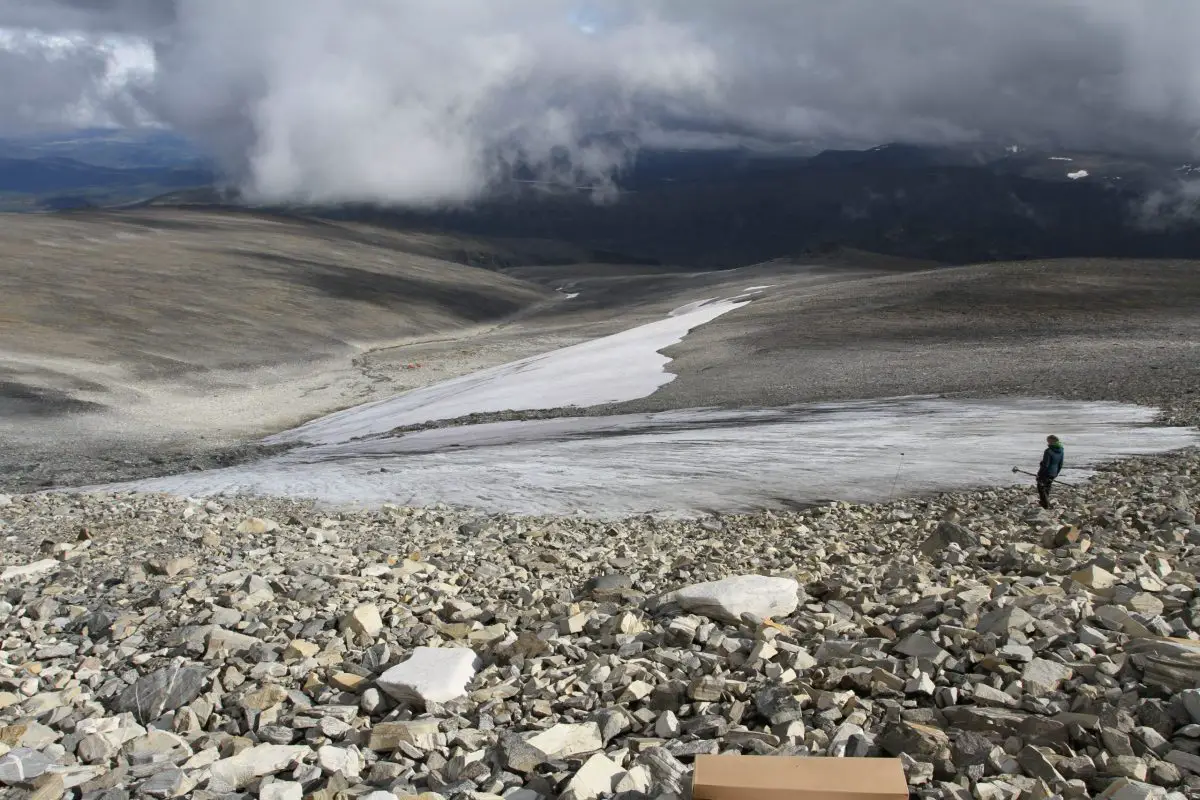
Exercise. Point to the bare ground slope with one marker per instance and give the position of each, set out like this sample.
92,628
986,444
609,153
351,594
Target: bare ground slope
165,324
1082,329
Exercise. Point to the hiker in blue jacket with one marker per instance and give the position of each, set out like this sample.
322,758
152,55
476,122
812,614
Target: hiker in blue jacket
1052,463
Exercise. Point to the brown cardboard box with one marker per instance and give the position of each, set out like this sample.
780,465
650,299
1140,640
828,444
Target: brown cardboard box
790,778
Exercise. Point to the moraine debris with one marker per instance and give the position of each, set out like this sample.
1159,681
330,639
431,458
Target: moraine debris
265,648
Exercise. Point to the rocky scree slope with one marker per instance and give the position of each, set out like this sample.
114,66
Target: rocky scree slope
159,647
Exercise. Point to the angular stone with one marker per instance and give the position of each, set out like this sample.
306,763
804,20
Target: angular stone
728,599
340,760
1003,621
1191,703
922,742
1130,767
1120,619
25,572
1042,676
388,736
1171,663
1188,761
564,741
266,697
988,696
168,783
1097,580
613,584
1065,536
171,567
22,765
431,675
257,525
919,645
636,780
281,790
220,644
707,689
1145,603
1036,765
1000,724
1125,789
162,691
518,755
298,650
365,621
231,774
778,705
50,786
1079,767
945,534
595,778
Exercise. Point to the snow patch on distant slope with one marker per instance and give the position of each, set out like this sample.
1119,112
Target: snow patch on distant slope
1083,173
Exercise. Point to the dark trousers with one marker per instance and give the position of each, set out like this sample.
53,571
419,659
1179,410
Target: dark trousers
1043,489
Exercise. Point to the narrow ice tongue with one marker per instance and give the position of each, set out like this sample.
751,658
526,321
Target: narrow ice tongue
614,369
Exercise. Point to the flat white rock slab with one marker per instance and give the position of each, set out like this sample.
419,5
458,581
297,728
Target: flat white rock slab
729,598
431,675
25,571
564,741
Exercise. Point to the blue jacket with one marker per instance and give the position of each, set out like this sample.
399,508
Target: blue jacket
1052,461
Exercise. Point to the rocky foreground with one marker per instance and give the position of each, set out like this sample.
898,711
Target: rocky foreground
157,647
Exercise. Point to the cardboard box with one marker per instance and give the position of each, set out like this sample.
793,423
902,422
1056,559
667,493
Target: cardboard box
792,778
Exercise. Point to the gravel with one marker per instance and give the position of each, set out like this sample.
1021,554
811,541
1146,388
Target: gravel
161,647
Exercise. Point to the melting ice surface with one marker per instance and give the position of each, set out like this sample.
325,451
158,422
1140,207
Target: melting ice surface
677,463
690,462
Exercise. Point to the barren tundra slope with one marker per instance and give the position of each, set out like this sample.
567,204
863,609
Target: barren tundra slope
1088,329
122,331
170,289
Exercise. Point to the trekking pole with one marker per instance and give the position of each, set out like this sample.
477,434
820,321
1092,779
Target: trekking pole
1034,475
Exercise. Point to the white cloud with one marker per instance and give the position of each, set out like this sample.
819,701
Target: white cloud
73,79
414,101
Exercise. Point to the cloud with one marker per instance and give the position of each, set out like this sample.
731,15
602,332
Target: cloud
1170,207
71,80
419,102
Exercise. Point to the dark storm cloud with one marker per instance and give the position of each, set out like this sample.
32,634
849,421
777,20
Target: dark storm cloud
417,101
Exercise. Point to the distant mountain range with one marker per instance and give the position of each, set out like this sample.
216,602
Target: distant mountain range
708,208
96,168
952,205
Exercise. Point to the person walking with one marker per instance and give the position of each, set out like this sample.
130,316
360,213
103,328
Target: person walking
1052,464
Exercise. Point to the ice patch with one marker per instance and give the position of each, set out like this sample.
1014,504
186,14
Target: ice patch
1083,173
612,369
700,461
1060,158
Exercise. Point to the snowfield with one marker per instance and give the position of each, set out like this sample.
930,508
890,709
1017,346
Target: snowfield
678,463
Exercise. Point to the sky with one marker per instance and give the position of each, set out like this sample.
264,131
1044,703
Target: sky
428,102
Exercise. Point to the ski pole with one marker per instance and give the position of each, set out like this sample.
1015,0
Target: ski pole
1034,475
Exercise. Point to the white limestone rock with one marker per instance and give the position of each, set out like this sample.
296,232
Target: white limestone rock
729,598
231,774
431,675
